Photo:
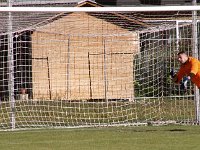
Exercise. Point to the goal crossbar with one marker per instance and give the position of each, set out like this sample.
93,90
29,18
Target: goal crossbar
99,9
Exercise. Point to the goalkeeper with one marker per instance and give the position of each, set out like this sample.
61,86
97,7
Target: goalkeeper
189,70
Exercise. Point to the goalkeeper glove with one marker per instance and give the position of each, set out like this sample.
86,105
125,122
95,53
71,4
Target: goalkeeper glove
172,74
183,85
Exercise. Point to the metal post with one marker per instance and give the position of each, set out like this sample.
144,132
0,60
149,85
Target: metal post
177,35
11,68
89,72
49,79
68,65
105,73
195,54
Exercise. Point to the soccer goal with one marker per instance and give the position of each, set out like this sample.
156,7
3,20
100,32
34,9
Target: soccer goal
95,66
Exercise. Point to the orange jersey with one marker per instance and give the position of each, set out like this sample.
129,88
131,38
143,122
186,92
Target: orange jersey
191,66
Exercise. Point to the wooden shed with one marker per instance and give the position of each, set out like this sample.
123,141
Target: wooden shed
84,56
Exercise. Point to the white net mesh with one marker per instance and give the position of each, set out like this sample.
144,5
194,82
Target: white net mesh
93,69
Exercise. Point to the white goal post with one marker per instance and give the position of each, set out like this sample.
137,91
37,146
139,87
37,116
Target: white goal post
100,9
95,66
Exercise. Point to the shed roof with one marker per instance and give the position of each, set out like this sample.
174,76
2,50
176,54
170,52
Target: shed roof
27,21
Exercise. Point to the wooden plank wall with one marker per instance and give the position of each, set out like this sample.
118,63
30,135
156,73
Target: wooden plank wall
80,57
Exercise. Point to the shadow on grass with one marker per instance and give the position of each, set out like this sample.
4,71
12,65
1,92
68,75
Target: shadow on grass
177,130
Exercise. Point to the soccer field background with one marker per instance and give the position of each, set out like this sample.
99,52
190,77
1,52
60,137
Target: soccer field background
112,138
72,68
96,80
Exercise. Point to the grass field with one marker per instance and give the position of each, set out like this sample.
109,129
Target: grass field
29,114
111,138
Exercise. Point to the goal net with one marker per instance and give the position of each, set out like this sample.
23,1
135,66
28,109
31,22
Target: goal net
94,68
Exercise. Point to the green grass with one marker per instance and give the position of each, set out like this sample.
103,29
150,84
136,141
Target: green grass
112,138
64,113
